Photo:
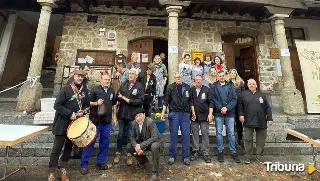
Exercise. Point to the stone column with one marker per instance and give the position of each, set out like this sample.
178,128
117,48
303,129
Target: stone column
173,41
31,92
291,97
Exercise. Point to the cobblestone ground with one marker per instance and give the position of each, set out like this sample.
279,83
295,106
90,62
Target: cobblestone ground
197,171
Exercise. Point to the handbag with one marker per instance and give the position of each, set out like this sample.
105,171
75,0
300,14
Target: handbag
102,110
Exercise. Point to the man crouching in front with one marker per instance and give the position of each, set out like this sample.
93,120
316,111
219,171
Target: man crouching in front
145,137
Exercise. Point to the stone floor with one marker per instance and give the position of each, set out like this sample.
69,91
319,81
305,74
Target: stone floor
197,171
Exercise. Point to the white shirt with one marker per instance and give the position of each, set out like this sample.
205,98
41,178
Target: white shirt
140,127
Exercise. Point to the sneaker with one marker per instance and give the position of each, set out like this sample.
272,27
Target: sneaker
235,157
51,177
207,158
261,158
129,159
220,157
171,161
186,161
117,158
246,160
84,171
194,156
103,166
63,174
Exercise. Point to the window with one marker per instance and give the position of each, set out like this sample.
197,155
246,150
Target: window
294,34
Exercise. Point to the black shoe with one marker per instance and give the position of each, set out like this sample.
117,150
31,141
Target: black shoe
207,158
235,157
240,142
103,166
194,156
76,156
220,157
84,171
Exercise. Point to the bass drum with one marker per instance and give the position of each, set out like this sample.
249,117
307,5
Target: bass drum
82,132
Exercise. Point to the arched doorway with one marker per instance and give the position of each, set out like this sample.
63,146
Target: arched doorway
240,54
147,48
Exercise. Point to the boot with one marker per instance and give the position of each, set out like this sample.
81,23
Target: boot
129,159
117,158
51,177
63,174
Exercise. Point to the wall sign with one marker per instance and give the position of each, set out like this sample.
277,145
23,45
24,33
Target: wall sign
285,52
92,18
157,22
172,49
274,53
112,37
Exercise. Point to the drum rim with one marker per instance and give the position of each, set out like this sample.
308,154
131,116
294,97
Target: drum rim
81,133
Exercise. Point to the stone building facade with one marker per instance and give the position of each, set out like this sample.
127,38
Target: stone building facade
200,33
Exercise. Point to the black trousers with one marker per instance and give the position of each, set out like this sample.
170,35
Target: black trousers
239,125
147,104
59,142
155,148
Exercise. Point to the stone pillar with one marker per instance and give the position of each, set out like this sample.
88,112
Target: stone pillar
173,41
31,92
291,97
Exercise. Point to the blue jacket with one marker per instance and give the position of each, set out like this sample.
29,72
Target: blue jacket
230,103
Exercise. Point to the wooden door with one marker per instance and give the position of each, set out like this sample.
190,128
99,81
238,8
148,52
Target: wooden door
248,65
228,50
145,48
296,69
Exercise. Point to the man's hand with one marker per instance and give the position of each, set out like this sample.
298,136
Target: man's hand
193,118
162,116
241,119
100,102
73,116
270,123
154,99
210,118
224,110
140,152
114,121
80,114
120,96
137,148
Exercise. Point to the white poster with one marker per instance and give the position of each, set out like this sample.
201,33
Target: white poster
285,52
173,49
309,57
144,58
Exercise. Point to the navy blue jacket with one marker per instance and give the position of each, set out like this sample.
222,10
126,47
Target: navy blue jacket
230,104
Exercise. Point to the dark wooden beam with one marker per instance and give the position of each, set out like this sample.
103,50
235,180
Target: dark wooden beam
243,11
193,10
311,13
83,4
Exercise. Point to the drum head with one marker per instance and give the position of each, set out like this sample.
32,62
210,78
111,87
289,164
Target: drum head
78,127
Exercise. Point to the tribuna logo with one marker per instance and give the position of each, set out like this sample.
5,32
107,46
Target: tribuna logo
287,167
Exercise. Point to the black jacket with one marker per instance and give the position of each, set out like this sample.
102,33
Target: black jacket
238,89
255,108
230,103
151,88
173,100
202,102
109,100
136,97
149,134
65,105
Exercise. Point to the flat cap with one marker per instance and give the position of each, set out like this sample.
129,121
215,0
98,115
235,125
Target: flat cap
80,72
138,111
152,67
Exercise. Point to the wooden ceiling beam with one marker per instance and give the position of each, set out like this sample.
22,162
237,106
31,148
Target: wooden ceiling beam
193,10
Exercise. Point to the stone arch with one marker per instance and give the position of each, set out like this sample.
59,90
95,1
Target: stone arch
140,33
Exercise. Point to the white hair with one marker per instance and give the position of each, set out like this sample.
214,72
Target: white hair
251,80
135,70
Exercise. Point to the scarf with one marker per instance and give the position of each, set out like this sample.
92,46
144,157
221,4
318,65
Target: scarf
77,91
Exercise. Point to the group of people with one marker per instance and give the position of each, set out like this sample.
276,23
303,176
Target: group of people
200,94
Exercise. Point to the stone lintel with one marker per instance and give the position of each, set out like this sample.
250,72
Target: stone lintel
278,17
278,10
50,3
174,3
174,10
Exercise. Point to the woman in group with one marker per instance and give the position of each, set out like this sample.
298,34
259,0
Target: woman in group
219,64
207,64
197,69
161,77
238,83
185,68
211,78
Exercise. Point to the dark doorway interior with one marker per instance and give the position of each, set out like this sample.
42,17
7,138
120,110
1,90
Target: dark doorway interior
160,46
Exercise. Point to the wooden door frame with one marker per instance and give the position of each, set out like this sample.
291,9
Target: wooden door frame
253,44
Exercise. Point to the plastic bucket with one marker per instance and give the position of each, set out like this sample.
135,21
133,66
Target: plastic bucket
160,125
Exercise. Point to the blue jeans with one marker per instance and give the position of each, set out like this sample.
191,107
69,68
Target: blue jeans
124,124
104,131
160,103
229,122
181,119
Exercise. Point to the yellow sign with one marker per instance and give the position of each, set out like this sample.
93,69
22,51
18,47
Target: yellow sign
195,54
311,168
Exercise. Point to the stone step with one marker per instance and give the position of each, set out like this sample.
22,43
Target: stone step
44,149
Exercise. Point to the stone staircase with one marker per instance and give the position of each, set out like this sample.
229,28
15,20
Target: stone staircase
40,146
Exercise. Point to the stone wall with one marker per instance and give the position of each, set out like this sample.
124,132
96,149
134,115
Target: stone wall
194,34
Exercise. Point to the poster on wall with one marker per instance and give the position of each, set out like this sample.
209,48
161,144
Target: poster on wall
112,38
309,57
144,58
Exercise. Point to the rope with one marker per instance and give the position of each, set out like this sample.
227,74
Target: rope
31,80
